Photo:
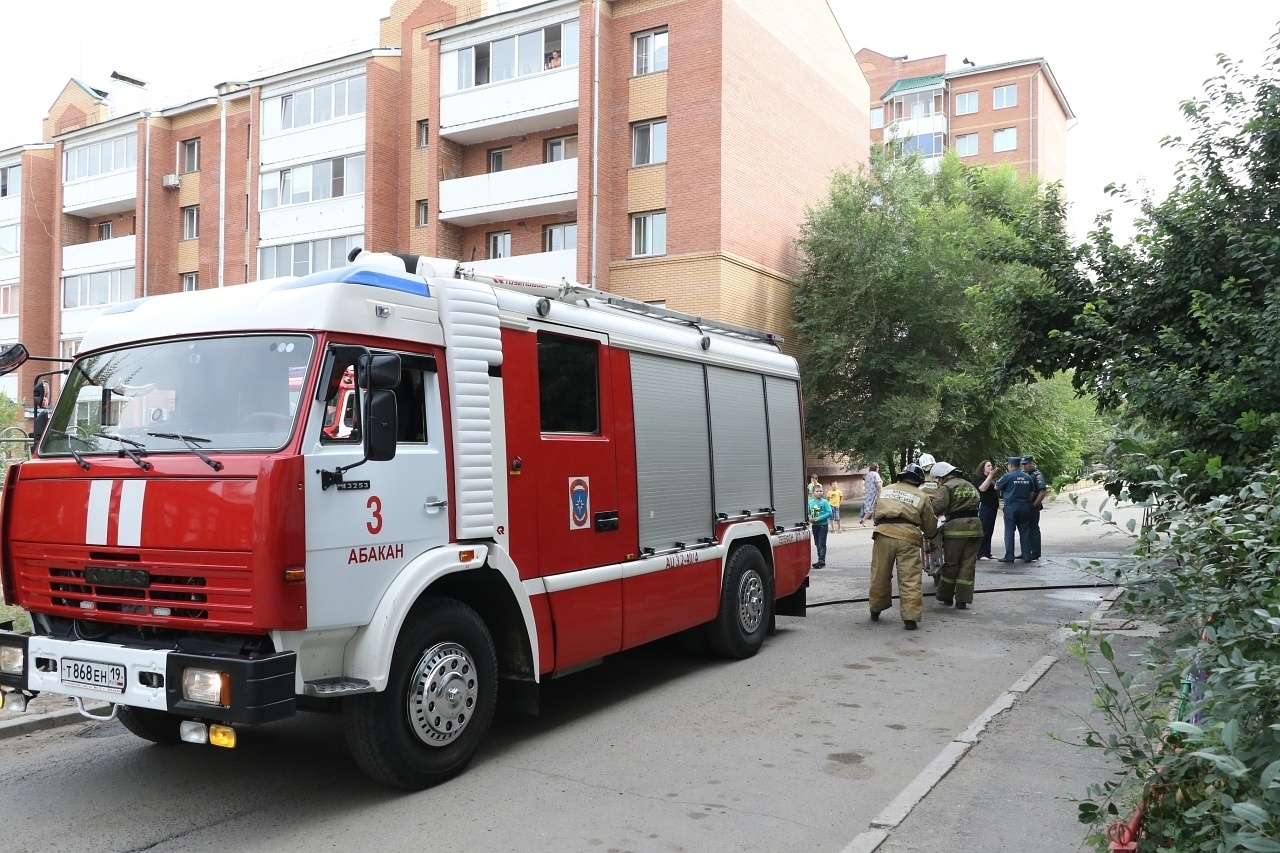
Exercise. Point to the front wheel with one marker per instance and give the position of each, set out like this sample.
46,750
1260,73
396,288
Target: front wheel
152,725
439,701
746,603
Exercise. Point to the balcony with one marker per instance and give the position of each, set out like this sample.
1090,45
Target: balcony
553,265
532,191
116,253
9,269
312,220
314,142
513,107
112,193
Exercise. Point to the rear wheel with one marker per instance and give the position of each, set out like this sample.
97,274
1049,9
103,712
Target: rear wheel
439,701
746,603
149,724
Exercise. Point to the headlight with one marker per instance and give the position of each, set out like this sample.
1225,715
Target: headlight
11,662
206,686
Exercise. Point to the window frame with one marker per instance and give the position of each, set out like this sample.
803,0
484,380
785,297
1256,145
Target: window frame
643,231
968,137
646,129
999,93
10,180
573,393
968,99
190,282
499,240
996,136
191,222
189,156
423,216
502,157
9,305
424,133
563,143
645,51
877,122
105,230
562,228
16,229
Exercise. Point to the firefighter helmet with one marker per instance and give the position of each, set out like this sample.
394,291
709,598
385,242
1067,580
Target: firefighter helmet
912,474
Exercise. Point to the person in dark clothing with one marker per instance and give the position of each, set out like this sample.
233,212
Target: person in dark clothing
1015,488
988,505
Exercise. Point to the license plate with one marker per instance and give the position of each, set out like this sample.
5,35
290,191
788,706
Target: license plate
107,677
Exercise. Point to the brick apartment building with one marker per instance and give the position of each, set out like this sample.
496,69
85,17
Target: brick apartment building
1009,112
655,148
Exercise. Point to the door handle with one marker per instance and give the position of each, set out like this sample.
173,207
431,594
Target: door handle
435,504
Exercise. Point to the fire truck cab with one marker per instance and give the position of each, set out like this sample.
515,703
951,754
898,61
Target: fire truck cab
398,488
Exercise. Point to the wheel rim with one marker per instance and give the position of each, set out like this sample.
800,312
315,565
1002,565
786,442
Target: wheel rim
442,694
750,601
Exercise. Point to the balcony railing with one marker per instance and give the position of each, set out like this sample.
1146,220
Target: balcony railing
98,196
532,191
513,107
116,253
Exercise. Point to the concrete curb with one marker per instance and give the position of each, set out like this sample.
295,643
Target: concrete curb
25,725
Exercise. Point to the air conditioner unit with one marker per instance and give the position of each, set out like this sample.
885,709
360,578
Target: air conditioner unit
170,182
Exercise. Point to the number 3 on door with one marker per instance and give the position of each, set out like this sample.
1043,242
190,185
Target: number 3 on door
375,506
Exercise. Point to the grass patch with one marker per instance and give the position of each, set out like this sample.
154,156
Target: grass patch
21,622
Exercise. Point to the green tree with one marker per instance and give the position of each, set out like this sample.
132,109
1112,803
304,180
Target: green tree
1182,325
898,328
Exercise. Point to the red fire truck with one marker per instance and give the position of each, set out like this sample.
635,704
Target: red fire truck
534,475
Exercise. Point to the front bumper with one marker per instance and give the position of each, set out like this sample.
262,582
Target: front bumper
261,687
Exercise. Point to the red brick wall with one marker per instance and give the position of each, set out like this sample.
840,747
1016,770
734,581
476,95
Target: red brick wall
386,140
39,293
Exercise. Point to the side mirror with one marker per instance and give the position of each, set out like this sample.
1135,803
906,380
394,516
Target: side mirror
40,394
379,371
380,425
12,357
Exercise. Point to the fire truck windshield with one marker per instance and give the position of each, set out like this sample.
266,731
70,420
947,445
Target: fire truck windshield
235,393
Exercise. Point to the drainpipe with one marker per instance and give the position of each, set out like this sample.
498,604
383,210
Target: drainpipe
222,191
595,141
1031,123
146,204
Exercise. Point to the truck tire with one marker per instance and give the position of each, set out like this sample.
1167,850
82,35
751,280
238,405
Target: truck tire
439,701
149,724
746,600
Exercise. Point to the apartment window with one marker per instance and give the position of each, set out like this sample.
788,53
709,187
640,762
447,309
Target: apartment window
100,158
307,257
190,281
9,300
99,288
190,156
1006,139
9,238
424,133
10,181
966,103
69,349
424,212
1004,96
563,148
342,176
558,237
499,159
877,118
917,105
926,144
105,231
649,143
314,105
649,233
650,52
967,144
530,52
191,222
568,385
500,244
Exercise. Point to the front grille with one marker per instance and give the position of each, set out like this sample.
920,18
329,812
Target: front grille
215,594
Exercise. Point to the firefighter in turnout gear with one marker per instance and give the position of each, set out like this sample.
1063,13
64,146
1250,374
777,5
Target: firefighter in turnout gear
904,518
957,499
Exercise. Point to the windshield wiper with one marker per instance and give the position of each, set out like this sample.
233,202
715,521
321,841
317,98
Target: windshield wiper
190,442
126,449
74,453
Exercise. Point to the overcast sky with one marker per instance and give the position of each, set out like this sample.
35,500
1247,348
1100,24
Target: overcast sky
1124,65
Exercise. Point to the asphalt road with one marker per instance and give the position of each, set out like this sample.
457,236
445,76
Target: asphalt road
799,748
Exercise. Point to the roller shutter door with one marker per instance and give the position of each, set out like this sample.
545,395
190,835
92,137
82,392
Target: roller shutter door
739,441
786,450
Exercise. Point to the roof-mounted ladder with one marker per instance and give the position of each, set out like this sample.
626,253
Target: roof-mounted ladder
564,290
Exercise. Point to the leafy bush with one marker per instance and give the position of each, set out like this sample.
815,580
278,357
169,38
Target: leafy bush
1196,724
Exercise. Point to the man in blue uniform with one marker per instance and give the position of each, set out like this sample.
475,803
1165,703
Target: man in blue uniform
1015,487
1039,490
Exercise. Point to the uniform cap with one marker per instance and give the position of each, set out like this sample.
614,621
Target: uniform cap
1013,460
1028,458
942,469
